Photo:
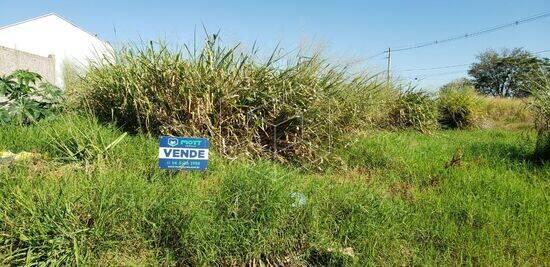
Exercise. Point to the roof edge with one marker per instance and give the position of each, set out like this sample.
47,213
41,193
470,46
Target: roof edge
60,17
29,20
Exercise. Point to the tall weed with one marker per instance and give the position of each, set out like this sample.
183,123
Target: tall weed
245,105
414,110
540,104
459,107
82,140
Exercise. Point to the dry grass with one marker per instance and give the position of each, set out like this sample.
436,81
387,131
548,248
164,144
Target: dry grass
508,113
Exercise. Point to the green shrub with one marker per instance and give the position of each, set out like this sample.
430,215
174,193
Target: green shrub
459,107
293,110
28,98
414,110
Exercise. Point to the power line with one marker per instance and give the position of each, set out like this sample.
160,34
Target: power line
435,74
444,73
458,37
436,68
543,51
376,55
469,35
455,66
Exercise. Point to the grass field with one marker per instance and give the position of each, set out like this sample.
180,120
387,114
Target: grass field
449,198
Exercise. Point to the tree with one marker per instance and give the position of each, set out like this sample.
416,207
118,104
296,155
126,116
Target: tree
506,74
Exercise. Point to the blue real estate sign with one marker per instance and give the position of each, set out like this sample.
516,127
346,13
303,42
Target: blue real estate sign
183,153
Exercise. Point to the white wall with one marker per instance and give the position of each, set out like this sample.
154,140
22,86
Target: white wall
52,35
12,60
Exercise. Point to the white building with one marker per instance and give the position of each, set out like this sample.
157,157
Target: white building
53,36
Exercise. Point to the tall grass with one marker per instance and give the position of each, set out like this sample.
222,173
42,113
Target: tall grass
459,107
292,110
413,110
507,113
540,104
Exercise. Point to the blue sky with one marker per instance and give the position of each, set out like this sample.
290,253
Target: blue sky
348,31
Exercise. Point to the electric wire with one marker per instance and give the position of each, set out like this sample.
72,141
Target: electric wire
454,66
543,51
435,68
474,34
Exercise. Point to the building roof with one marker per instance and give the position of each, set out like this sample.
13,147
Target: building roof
50,15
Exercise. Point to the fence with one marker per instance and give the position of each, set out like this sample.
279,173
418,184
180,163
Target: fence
12,59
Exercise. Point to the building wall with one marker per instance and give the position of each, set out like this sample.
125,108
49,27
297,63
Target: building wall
52,35
12,60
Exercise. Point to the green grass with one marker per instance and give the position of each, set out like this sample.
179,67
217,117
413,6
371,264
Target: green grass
449,198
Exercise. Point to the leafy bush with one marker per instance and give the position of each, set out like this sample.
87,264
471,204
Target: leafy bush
292,110
459,107
415,110
28,98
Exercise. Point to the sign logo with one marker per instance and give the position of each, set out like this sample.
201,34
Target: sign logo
172,142
183,153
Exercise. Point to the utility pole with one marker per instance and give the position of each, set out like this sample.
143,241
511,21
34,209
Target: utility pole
388,75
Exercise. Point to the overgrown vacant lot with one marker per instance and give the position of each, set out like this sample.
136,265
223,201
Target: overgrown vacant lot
451,197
